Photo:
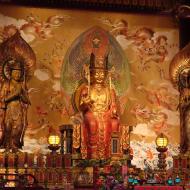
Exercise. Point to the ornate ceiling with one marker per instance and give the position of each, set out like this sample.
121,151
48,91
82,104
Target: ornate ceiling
148,6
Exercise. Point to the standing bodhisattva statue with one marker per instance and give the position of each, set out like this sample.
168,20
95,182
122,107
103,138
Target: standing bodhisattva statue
16,65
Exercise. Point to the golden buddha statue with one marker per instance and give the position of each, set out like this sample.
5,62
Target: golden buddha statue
180,76
14,101
17,61
97,102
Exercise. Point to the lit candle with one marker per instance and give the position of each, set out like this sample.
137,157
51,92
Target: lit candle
110,82
88,81
65,142
1,160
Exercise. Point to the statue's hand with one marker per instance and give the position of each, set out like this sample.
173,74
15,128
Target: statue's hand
88,101
24,97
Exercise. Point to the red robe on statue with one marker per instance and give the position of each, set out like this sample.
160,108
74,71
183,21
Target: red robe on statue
100,120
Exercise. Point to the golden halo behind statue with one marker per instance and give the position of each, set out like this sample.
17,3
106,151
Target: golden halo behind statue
16,49
8,65
179,63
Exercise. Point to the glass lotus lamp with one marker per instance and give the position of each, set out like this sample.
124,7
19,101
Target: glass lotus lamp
161,143
177,180
54,143
170,181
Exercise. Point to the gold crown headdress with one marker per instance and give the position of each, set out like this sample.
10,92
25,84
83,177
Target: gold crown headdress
98,62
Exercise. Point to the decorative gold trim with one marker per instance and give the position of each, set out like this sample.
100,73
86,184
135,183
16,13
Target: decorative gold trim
18,49
152,6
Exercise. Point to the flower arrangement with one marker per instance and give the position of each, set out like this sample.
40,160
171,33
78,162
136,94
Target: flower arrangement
109,183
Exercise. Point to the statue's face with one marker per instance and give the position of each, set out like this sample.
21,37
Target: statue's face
185,78
185,72
98,76
16,75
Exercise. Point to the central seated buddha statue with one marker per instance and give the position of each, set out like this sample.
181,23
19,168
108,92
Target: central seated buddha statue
97,103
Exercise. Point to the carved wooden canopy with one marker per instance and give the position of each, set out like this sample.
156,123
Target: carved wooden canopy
147,6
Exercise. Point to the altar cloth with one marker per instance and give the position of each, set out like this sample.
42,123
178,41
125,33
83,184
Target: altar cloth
158,187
